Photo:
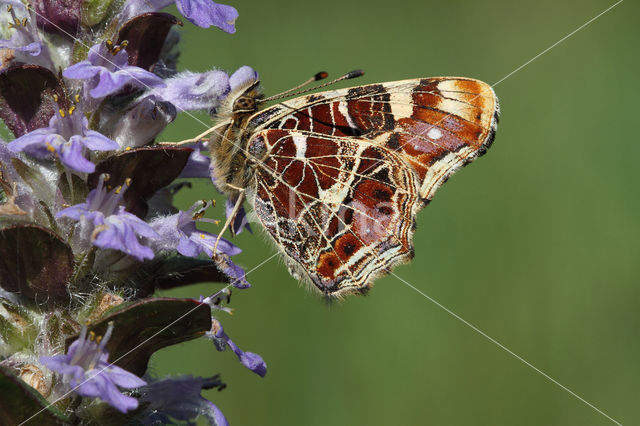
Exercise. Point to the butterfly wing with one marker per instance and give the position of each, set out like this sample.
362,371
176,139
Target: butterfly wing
341,208
419,131
435,124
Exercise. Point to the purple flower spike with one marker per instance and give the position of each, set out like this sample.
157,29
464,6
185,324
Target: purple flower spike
205,13
67,136
179,232
87,372
113,227
179,398
191,91
252,361
107,71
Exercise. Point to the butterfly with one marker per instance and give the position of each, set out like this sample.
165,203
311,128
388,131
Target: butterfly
337,178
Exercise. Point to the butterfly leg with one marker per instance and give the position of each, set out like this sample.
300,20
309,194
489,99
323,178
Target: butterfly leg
230,218
197,138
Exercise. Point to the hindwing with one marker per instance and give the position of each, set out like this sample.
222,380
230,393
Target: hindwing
342,209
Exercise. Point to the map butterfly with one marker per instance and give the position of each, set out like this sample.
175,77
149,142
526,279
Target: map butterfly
337,178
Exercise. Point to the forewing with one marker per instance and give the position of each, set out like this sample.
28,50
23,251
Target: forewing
435,124
341,208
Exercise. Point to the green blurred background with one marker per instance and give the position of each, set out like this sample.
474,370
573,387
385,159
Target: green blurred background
536,244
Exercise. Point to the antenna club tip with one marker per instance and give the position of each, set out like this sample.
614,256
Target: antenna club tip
354,74
321,76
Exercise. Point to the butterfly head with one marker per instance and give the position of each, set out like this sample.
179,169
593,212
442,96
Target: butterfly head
243,99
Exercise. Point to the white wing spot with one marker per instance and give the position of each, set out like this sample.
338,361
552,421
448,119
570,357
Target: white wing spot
434,134
300,141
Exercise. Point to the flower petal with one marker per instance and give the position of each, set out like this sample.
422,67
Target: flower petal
191,91
244,76
140,77
197,165
205,13
142,122
99,142
118,236
141,227
57,363
187,247
74,212
35,143
215,416
32,49
124,378
233,271
100,386
81,70
240,221
109,83
70,154
254,362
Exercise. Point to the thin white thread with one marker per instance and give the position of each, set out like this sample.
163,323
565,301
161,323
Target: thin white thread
519,68
556,43
503,347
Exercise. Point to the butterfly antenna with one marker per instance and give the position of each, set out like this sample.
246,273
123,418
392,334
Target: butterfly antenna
317,77
347,76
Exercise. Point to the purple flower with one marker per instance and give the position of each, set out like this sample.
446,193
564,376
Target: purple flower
142,122
113,227
252,361
66,136
179,398
33,48
179,232
85,370
203,13
107,71
25,41
191,91
243,77
241,221
198,164
233,271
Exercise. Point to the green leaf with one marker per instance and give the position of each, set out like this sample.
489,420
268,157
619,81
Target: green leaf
17,328
19,402
143,327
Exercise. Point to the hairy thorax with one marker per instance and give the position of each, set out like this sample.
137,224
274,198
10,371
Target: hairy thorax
232,163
